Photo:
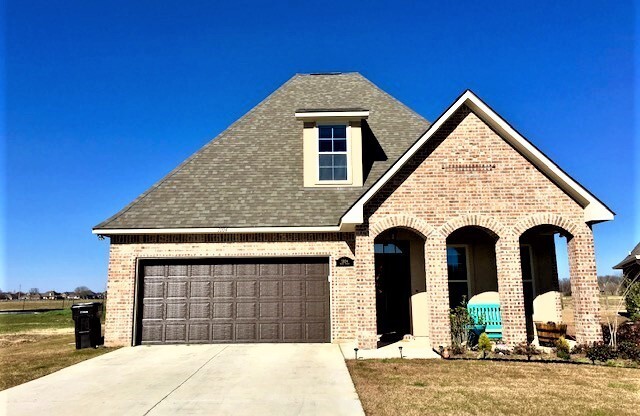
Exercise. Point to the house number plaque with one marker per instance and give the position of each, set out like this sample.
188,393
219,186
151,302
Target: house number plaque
344,262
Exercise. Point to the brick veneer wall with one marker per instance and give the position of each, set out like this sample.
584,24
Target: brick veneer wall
465,176
468,175
125,250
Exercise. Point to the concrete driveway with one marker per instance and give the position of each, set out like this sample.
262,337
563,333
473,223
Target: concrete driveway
265,379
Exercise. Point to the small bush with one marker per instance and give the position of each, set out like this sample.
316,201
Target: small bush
457,349
484,344
627,332
563,349
600,351
527,349
632,301
579,349
629,350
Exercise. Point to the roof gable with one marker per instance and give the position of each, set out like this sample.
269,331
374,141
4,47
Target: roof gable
594,209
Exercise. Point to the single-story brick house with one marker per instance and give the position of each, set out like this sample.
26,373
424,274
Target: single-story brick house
332,212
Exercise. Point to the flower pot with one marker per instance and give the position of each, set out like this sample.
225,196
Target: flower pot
550,332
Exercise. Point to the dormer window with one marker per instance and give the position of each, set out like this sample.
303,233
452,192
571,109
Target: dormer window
332,146
332,152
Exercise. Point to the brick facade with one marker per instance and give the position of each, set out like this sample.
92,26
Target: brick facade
466,175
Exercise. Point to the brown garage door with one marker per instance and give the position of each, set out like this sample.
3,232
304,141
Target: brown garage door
234,300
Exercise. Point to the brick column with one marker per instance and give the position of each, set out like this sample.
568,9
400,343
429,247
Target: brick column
584,287
435,253
366,331
514,324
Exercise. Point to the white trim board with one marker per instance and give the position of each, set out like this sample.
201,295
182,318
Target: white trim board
594,210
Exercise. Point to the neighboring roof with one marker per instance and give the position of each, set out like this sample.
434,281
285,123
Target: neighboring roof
251,174
634,256
594,209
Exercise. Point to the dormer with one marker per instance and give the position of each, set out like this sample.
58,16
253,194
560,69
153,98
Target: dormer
332,146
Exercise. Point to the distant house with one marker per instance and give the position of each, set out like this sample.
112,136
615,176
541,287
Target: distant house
53,295
630,266
70,295
6,296
33,296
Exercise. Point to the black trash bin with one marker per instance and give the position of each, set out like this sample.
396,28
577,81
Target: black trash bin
87,319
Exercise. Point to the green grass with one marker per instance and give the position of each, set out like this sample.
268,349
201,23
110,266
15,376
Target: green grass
14,323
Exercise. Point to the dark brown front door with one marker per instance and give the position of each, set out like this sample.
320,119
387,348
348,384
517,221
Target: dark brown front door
234,301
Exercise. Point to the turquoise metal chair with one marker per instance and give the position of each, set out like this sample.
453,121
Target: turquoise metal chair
486,318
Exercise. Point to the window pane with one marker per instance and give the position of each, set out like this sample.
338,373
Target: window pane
325,132
326,174
325,146
340,174
457,263
378,248
458,293
340,161
340,132
339,145
326,161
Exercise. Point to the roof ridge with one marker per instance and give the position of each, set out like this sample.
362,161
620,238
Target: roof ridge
193,156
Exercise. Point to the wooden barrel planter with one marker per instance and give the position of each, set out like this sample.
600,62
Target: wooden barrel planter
550,332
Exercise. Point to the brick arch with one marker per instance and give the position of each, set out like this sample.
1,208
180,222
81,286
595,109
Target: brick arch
490,224
534,220
402,221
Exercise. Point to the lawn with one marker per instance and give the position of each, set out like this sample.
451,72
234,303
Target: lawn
34,345
439,387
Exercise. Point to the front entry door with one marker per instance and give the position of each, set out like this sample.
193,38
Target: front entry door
393,288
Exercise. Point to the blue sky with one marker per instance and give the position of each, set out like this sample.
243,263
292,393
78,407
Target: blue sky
102,99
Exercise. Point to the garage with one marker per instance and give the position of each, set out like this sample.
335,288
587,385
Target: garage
233,301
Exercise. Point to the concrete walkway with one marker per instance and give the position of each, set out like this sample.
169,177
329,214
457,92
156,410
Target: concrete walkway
265,379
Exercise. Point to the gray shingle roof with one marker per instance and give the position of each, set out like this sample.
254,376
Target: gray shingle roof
630,258
251,174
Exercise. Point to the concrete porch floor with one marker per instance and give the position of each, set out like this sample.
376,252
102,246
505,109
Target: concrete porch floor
417,348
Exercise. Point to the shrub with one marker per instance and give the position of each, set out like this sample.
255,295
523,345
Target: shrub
629,351
563,349
627,332
579,348
527,349
461,321
484,344
632,300
600,351
457,349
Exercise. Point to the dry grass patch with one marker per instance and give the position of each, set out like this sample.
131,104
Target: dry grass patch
30,355
439,387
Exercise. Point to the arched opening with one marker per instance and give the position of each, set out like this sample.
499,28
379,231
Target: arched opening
540,249
400,285
471,266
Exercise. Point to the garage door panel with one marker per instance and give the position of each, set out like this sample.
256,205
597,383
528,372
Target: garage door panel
294,289
269,289
235,300
200,289
246,289
199,333
200,311
223,310
223,289
175,332
246,310
176,290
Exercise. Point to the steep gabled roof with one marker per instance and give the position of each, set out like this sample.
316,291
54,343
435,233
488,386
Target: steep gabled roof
594,210
251,174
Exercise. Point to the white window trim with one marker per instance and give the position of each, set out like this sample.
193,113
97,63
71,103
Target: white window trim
349,179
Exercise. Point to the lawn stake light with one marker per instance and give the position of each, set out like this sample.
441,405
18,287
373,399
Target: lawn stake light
356,351
400,348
